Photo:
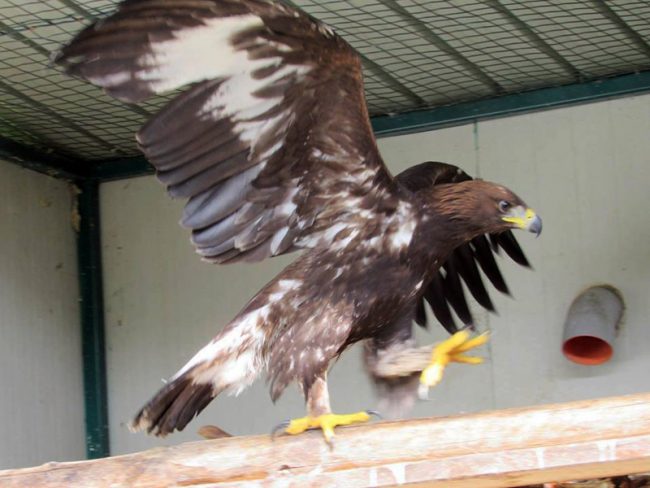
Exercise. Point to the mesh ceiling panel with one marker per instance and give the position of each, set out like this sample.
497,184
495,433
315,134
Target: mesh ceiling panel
416,53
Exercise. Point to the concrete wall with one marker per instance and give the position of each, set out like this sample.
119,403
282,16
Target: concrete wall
585,169
41,395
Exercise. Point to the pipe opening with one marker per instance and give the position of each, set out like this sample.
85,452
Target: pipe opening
588,350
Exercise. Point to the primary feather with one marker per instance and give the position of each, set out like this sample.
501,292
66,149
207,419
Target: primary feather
258,144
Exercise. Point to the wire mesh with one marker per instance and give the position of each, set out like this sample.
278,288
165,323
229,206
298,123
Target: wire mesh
416,54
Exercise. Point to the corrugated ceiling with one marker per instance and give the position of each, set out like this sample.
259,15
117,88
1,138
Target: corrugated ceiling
417,54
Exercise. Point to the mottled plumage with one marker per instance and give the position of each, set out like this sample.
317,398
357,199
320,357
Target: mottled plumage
444,293
271,145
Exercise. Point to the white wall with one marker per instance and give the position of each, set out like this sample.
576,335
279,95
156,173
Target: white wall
585,169
41,395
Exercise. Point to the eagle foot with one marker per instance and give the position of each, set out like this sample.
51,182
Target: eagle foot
325,422
450,350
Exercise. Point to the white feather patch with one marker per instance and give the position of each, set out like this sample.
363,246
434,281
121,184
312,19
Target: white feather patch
234,368
206,354
333,231
282,287
236,352
196,54
235,98
406,222
277,240
111,79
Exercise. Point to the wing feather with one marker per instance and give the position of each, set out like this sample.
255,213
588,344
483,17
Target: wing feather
445,291
271,144
420,314
466,263
485,259
509,243
454,293
435,297
218,201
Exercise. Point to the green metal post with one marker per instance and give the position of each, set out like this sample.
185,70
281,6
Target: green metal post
92,319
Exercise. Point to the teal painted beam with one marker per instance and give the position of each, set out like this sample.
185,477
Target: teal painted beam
385,125
92,320
121,168
51,164
458,114
541,99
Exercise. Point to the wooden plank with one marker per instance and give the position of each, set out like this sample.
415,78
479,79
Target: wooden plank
586,439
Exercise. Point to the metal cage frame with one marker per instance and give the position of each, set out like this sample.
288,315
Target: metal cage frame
88,175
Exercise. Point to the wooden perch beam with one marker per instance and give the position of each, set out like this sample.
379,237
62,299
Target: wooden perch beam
514,447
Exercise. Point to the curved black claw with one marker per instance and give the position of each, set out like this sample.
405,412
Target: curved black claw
375,413
280,427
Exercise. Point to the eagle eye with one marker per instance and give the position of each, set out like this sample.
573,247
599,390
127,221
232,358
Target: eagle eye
504,206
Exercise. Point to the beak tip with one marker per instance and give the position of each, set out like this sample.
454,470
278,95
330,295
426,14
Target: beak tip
536,226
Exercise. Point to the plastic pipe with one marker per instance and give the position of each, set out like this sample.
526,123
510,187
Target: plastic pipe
591,325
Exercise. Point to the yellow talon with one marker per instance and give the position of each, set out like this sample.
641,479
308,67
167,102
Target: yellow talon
475,341
461,358
449,351
326,423
451,344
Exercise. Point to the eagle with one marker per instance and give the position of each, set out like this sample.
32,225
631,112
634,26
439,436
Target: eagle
269,140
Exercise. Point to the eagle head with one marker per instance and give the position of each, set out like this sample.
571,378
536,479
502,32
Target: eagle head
484,207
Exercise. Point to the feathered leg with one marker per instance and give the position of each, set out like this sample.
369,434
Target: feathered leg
394,369
319,413
397,366
318,398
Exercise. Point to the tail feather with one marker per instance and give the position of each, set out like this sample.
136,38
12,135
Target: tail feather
172,408
230,362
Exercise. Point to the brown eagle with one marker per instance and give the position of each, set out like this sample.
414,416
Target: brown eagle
272,146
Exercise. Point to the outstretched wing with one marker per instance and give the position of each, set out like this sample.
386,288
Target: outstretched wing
445,291
271,143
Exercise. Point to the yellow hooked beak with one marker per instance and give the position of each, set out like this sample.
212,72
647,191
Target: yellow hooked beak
524,218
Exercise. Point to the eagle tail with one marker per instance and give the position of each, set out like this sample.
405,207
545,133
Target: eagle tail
178,402
230,363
